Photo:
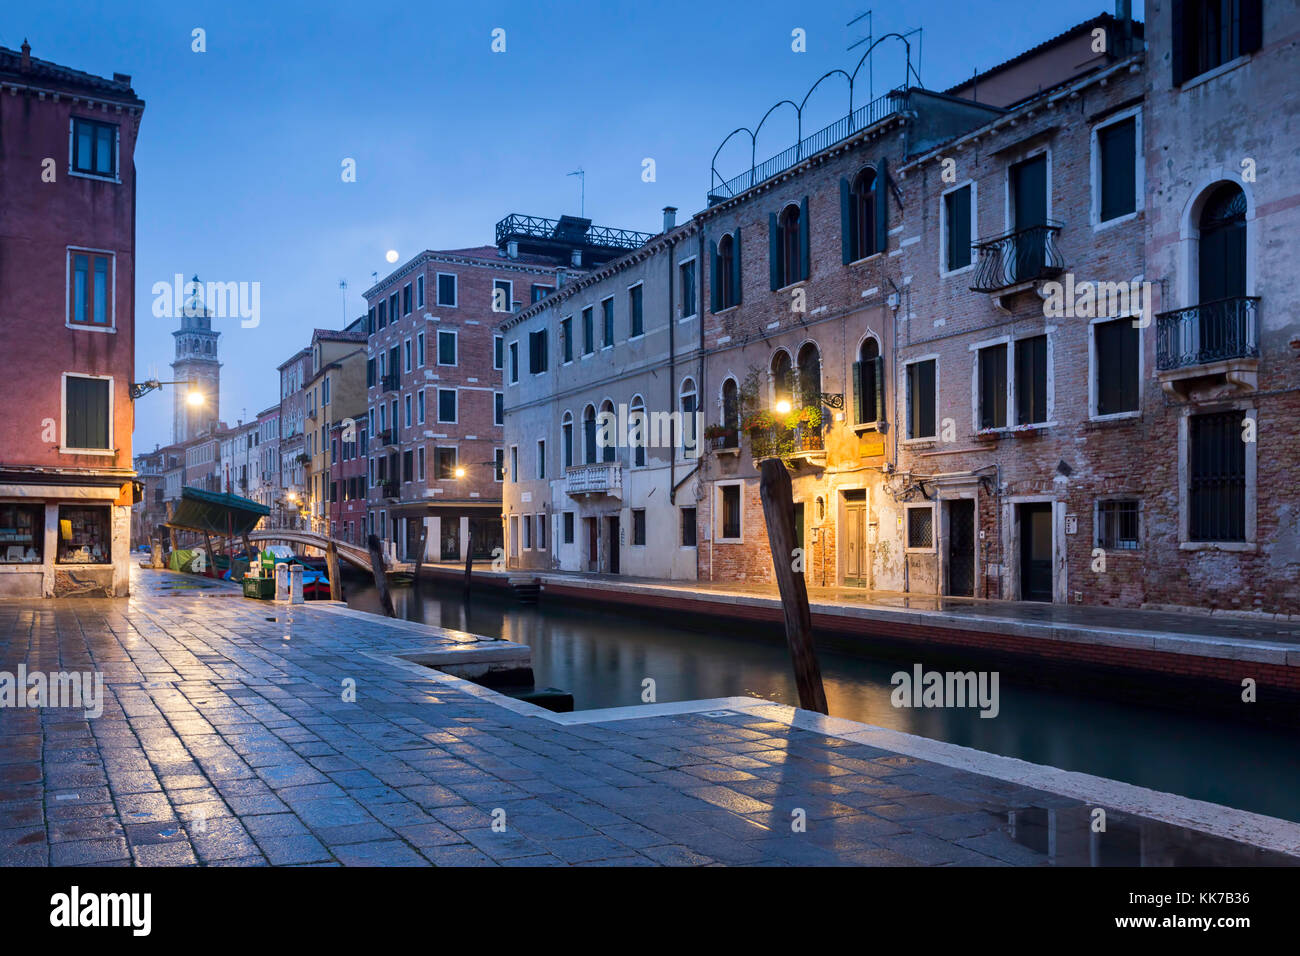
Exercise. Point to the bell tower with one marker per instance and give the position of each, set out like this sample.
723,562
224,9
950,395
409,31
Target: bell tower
196,362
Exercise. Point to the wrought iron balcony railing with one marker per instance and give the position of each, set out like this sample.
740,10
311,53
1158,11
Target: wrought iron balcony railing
1206,333
386,437
781,442
390,489
1023,255
391,382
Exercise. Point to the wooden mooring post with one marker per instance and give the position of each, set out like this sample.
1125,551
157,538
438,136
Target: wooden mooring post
332,569
469,560
419,556
778,512
381,579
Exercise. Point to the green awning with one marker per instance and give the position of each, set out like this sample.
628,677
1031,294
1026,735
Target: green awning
216,513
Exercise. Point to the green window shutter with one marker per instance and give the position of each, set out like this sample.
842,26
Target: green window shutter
1178,48
713,276
846,223
879,361
1252,27
805,245
858,410
773,251
735,267
882,206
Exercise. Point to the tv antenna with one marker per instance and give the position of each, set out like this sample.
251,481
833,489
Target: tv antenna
343,289
582,196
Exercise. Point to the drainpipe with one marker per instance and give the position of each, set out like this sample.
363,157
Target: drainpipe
672,366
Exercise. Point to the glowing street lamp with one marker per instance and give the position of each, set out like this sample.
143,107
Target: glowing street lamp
194,398
460,472
783,407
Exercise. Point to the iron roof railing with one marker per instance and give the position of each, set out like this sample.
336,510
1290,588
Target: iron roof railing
573,231
882,107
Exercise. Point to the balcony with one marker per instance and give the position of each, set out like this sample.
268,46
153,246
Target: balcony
391,382
726,441
389,489
1209,350
803,442
601,478
1017,259
386,437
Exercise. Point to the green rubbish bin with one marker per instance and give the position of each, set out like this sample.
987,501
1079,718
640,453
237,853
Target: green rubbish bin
261,588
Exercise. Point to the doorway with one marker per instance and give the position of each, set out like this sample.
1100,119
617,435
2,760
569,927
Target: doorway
855,538
613,543
1029,198
450,539
1035,520
959,557
593,544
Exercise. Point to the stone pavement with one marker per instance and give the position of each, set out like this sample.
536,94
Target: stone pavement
226,739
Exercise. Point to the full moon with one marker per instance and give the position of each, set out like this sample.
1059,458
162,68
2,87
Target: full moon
391,255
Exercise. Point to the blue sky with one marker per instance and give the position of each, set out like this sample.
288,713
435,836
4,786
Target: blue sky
240,149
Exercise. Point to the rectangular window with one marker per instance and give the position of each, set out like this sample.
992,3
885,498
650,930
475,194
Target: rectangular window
406,299
528,532
514,363
607,320
383,312
686,274
419,292
957,221
447,405
566,338
85,535
499,464
446,348
1117,167
537,351
1117,525
406,354
392,309
1117,345
541,532
90,297
1216,478
993,386
1031,380
920,527
406,402
22,534
498,352
636,320
502,295
920,399
730,511
588,331
408,466
447,289
94,148
87,405
689,529
514,463
638,527
419,350
540,292
568,527
541,459
444,464
498,408
1210,33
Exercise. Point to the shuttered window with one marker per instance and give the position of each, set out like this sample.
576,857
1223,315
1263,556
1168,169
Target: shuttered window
1216,493
993,386
588,331
86,408
1117,157
1117,345
635,315
920,399
1031,380
956,211
537,351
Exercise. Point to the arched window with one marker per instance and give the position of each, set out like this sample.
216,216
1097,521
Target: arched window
589,434
863,210
788,245
810,375
687,402
782,390
726,272
609,451
638,429
566,429
1222,252
730,409
868,383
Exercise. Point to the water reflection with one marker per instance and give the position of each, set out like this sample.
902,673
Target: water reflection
603,657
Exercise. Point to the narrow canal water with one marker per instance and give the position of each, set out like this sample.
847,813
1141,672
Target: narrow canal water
603,656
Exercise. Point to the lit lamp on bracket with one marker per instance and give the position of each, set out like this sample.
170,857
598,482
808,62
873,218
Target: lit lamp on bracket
194,397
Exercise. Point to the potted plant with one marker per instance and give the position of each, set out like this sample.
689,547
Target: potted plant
720,436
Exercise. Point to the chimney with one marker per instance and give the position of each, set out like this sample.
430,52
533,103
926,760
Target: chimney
27,56
575,258
512,249
670,218
123,78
